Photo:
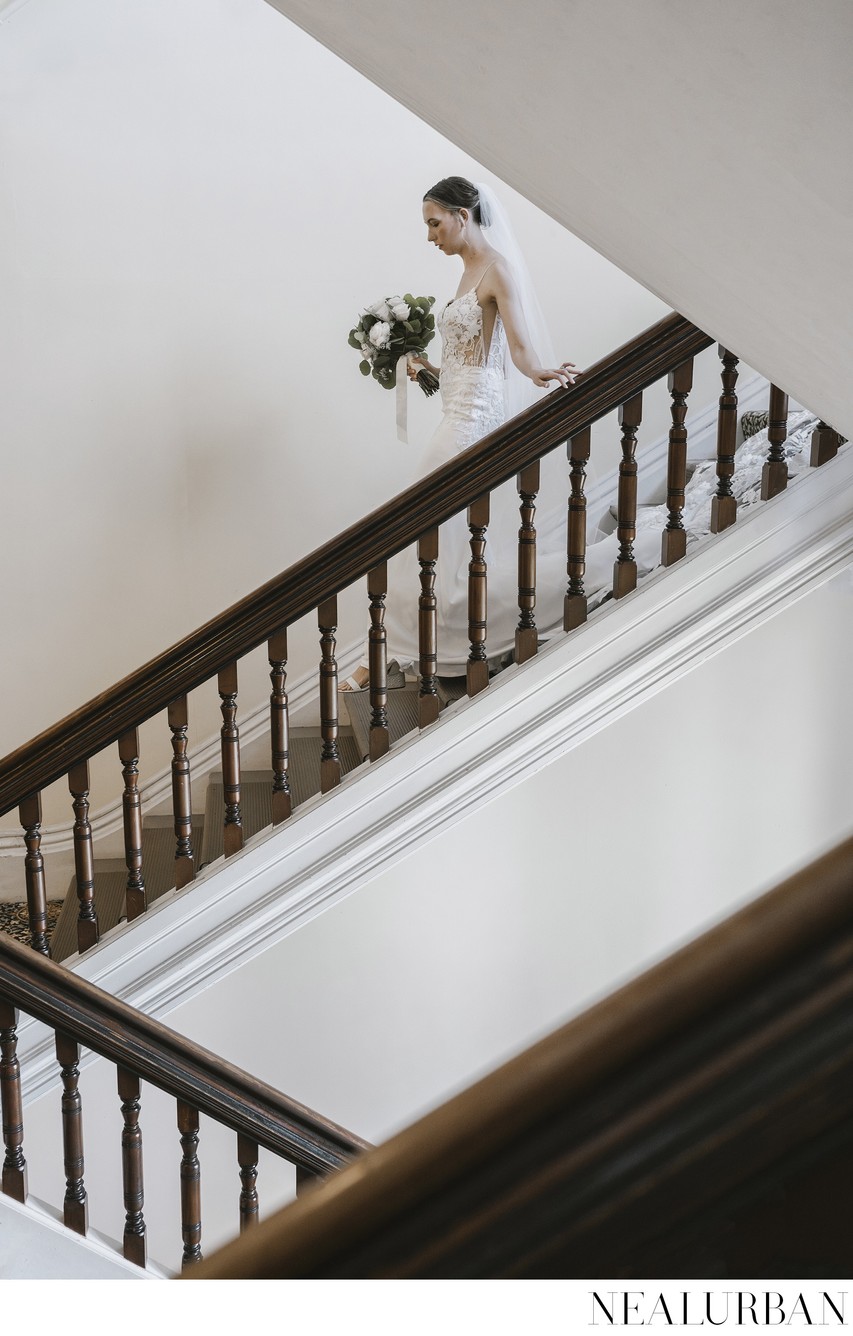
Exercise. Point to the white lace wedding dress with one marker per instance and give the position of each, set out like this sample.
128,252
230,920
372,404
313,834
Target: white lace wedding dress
473,401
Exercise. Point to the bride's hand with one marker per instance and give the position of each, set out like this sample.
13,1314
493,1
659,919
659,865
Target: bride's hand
414,365
566,375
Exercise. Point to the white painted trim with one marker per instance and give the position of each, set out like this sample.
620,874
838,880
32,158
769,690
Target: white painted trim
106,821
53,1250
206,758
627,652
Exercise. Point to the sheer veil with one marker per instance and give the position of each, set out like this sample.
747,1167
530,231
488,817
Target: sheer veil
519,390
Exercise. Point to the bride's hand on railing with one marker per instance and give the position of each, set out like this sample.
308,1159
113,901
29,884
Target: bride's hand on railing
566,374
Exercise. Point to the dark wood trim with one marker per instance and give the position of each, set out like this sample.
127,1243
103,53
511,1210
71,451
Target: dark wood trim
349,557
70,1005
633,1121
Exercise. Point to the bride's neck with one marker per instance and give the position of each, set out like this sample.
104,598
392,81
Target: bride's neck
475,255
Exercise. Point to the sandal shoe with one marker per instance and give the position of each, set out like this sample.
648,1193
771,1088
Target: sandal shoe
395,678
351,684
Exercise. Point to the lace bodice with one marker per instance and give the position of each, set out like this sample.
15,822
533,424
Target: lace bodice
472,378
460,324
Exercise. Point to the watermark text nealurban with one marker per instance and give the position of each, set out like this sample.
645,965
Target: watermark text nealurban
718,1308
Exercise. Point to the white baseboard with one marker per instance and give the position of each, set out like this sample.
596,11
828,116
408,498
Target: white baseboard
204,760
581,683
254,724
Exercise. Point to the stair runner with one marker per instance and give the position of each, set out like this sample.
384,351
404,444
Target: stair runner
158,837
304,774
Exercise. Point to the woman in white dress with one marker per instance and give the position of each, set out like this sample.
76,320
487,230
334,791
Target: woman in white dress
490,370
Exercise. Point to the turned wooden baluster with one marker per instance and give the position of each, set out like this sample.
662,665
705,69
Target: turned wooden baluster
724,505
88,932
282,804
230,741
247,1158
377,588
190,1185
136,897
429,704
134,1242
330,764
625,567
478,663
825,443
30,815
14,1180
774,475
182,803
76,1208
526,640
674,538
574,604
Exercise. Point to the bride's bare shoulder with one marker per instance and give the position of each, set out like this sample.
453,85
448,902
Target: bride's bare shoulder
498,281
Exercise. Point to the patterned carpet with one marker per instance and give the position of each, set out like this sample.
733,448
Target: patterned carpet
14,921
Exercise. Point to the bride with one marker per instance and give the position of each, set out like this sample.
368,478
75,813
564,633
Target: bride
492,333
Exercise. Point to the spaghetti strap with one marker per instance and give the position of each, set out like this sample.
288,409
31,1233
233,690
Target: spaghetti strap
474,286
483,275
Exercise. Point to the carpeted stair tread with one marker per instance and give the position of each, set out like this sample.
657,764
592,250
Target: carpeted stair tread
109,901
158,870
256,789
402,714
451,689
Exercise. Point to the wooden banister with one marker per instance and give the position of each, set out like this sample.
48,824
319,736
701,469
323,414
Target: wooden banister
610,1145
134,1042
318,578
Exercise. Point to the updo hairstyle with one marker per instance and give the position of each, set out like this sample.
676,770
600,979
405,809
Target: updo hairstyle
456,193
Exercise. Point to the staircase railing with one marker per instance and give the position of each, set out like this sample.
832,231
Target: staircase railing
213,651
144,1050
699,1121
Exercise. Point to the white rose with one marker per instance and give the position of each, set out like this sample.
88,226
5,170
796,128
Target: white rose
400,310
380,309
380,334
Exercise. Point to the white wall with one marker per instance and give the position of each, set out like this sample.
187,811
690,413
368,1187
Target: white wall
703,147
196,199
517,917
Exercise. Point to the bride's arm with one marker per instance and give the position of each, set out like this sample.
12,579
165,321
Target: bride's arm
499,286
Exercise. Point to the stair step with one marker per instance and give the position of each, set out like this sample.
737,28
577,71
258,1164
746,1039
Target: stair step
402,714
451,689
256,789
158,869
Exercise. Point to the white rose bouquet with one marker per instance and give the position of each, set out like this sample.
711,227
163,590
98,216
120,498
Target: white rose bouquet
392,328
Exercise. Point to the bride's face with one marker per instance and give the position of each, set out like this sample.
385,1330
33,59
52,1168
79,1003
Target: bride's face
444,226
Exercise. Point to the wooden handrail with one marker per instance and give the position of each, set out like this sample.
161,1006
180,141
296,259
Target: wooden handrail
643,1109
307,584
120,1033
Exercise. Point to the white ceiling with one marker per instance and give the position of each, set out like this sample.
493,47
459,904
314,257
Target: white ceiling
702,147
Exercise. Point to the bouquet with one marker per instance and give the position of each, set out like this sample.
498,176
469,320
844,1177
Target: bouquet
392,328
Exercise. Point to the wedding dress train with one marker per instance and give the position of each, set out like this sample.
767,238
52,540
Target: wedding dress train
473,402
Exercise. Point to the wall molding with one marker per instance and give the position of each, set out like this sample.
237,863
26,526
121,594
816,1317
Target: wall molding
205,758
725,587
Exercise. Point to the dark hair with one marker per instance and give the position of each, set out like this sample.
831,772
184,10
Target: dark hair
455,193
